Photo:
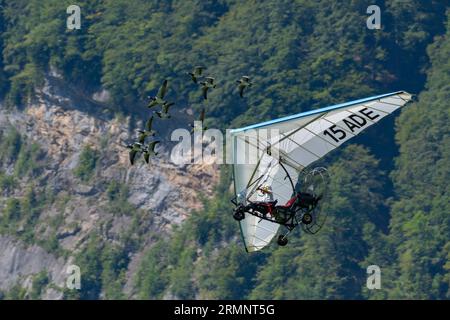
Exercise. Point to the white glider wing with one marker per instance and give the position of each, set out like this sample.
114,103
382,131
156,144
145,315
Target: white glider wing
268,153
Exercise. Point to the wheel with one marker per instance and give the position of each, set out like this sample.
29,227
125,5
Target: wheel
307,218
238,215
282,240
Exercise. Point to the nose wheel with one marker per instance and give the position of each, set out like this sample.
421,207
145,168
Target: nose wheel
238,214
282,240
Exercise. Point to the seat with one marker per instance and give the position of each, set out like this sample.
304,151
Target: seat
290,202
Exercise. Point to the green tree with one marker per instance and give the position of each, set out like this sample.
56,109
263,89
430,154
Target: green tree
40,281
86,164
152,277
11,144
420,222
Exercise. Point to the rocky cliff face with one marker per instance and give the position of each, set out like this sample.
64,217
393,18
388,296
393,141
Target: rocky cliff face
63,122
18,264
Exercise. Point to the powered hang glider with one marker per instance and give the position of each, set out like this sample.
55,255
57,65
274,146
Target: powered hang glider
270,161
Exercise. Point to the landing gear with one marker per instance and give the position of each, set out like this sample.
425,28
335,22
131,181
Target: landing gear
307,218
238,214
304,209
282,240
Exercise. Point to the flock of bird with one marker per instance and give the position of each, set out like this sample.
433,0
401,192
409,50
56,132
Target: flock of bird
207,83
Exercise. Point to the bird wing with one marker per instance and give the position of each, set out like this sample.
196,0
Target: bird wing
198,71
241,90
166,107
142,138
193,77
205,92
147,157
163,90
152,145
132,156
152,104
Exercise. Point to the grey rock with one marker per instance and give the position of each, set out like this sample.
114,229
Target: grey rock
19,263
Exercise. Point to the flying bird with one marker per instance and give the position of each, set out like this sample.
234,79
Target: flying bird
196,73
201,119
150,151
148,132
206,85
159,98
244,82
164,114
135,147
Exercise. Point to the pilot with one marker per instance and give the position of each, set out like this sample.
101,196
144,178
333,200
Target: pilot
265,194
